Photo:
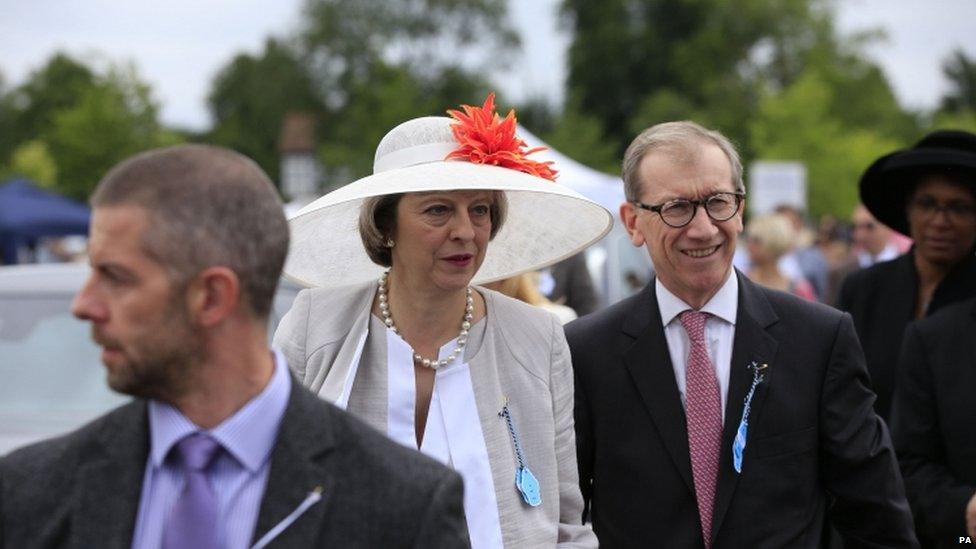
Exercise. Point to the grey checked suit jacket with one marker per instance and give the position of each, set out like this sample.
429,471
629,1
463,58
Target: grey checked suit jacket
523,357
82,490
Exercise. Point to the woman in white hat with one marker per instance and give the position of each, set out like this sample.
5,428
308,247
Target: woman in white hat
397,335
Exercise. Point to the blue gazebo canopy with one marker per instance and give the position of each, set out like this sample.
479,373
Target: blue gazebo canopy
28,213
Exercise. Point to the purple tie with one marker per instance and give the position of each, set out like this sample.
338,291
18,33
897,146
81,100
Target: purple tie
703,410
193,521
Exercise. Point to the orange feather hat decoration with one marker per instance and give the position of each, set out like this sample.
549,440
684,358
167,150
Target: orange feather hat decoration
486,138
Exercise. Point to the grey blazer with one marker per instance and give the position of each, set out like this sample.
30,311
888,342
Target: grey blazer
82,490
523,356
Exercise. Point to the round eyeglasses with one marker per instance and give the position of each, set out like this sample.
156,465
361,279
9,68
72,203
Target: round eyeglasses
679,212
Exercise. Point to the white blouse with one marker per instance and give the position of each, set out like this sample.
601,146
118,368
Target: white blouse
452,435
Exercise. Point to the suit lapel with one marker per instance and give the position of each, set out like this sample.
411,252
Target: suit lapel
110,483
903,282
297,469
334,384
752,344
649,363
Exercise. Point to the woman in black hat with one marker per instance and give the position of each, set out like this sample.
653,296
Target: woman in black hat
927,192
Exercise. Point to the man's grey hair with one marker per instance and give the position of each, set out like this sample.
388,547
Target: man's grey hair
682,141
206,206
377,222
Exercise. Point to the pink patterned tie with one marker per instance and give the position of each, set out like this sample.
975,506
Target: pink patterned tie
703,410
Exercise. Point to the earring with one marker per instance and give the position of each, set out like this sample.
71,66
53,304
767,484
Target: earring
389,243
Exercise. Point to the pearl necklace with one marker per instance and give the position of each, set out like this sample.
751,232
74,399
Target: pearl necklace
462,338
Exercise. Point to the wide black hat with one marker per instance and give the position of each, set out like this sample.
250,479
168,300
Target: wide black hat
890,180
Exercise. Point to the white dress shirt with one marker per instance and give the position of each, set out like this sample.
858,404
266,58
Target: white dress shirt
889,252
719,332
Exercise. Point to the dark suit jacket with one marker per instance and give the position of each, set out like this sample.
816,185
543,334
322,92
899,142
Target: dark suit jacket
82,490
933,421
574,285
881,299
813,435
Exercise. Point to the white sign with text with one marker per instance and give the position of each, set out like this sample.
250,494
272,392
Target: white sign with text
772,184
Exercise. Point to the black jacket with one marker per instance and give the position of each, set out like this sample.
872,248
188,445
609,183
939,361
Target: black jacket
813,435
881,298
933,421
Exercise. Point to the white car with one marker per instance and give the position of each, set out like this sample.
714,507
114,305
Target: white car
51,377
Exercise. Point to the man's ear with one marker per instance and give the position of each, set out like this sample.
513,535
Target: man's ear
213,295
741,214
628,216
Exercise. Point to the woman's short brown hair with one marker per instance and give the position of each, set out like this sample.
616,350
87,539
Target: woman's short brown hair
377,221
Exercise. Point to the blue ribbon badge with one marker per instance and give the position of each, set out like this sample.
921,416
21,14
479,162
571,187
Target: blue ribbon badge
739,444
525,481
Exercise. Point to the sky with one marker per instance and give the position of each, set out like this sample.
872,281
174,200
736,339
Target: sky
179,45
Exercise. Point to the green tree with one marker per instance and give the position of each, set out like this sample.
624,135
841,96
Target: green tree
665,59
33,160
250,97
345,40
577,135
31,107
957,120
663,105
386,97
635,63
112,119
861,95
70,120
378,63
360,67
7,139
537,114
798,124
581,137
960,70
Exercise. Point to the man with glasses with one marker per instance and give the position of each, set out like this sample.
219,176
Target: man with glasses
711,412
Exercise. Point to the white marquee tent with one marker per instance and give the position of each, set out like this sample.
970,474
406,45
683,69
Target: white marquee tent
604,189
614,258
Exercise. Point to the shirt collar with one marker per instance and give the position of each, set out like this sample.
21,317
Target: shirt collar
724,304
865,259
248,435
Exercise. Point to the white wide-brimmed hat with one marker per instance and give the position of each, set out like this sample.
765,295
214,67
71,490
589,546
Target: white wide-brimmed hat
546,221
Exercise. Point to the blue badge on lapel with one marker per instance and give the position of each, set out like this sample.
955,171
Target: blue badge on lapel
525,481
739,444
528,486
